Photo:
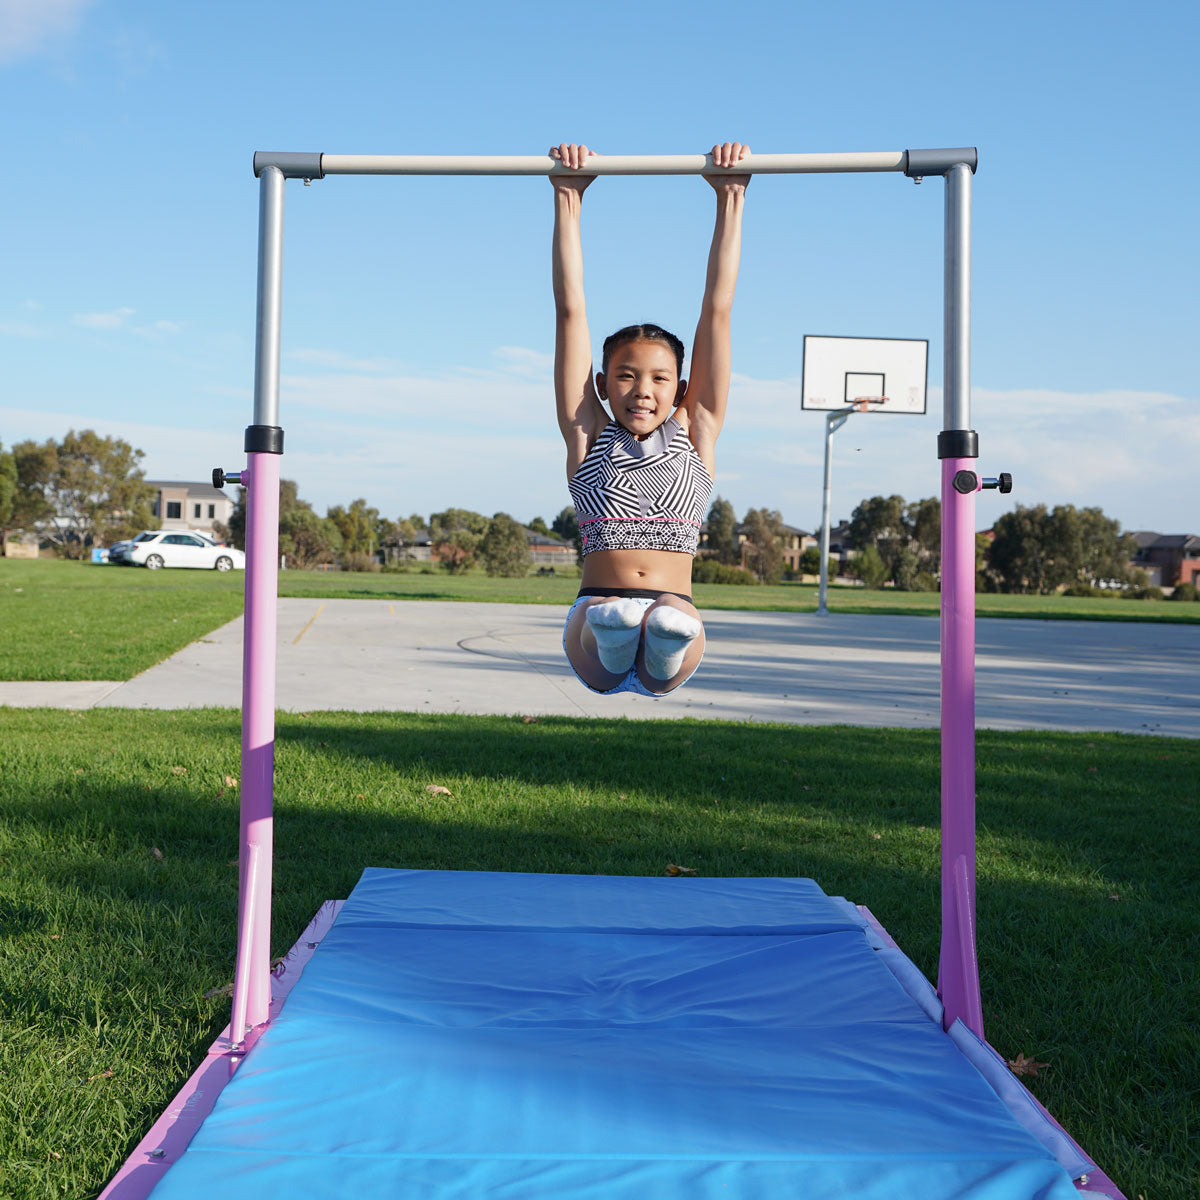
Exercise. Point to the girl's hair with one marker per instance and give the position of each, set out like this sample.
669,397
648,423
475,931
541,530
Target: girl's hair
642,333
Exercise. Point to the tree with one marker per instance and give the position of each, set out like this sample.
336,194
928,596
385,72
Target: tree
358,526
810,563
567,527
537,525
722,532
868,565
1035,550
8,489
764,530
456,535
505,548
92,490
305,539
878,523
923,520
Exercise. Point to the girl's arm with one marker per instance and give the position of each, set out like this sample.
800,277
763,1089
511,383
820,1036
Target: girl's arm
581,416
708,386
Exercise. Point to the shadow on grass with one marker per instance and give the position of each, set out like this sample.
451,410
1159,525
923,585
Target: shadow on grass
1087,931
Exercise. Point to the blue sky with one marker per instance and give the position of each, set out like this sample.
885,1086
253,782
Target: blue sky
418,326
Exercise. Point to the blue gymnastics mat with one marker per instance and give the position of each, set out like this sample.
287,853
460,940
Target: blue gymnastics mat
463,1035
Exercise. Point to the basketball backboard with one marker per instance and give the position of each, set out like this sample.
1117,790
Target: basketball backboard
838,371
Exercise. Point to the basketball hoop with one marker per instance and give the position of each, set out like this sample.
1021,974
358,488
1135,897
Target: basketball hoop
864,403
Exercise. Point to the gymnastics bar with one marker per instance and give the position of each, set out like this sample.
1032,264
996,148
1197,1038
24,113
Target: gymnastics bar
916,163
958,973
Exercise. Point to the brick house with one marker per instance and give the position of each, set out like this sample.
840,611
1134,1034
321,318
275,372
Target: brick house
794,543
1169,558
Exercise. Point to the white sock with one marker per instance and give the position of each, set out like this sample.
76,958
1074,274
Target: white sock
669,633
617,626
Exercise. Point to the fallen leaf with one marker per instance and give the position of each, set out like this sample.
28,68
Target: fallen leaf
877,836
436,789
530,720
224,990
103,1075
672,869
230,781
1025,1066
156,852
1091,770
179,770
1113,896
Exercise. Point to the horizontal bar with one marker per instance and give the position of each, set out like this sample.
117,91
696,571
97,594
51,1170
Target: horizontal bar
605,164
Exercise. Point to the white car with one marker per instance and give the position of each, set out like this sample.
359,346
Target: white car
157,548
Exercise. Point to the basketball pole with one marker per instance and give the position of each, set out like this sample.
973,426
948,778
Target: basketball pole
833,422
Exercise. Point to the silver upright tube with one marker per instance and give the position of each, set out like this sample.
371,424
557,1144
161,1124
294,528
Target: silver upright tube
270,297
957,360
833,421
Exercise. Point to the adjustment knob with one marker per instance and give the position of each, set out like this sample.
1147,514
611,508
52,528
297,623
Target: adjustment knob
220,478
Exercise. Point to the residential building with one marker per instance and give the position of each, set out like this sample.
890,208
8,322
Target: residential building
794,543
1169,558
188,505
549,550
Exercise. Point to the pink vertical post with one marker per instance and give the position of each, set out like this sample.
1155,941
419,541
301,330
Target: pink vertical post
252,985
264,445
958,970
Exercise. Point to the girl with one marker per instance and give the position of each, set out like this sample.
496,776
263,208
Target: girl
641,480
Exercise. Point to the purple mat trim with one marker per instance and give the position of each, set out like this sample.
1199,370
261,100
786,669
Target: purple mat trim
169,1136
1095,1182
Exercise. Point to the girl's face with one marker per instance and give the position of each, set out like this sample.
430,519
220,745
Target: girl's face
642,385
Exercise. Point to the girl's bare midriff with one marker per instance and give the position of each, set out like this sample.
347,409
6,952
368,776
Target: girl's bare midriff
657,570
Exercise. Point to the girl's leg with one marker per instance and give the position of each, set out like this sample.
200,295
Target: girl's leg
618,623
672,645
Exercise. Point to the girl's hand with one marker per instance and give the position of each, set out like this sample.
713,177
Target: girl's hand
575,157
728,154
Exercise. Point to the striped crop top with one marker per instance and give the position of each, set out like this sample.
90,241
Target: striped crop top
641,495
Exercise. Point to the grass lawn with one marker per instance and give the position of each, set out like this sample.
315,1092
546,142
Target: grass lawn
76,621
118,840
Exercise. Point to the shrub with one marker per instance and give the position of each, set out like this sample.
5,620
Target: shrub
868,566
1185,591
1142,593
924,582
709,570
359,560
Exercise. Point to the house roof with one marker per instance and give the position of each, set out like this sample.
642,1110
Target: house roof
198,491
1147,539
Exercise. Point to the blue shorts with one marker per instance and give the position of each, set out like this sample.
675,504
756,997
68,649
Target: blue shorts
632,682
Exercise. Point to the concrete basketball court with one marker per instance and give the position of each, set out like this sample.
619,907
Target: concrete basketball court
428,656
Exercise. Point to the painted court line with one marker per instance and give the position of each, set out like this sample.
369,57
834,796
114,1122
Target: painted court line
296,639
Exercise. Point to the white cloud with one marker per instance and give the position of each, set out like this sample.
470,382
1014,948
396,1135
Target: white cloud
28,26
335,360
486,440
104,320
20,329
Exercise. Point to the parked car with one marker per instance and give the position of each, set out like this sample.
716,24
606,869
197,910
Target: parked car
157,548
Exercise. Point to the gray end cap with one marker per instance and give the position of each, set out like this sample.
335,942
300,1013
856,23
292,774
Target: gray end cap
938,162
293,166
